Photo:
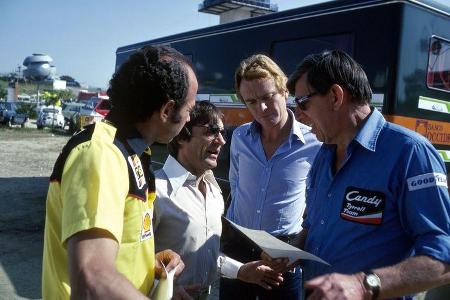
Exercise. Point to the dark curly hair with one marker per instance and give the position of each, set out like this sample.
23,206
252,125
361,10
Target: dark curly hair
204,112
148,79
333,67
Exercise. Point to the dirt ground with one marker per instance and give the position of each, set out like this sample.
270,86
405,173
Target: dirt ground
26,161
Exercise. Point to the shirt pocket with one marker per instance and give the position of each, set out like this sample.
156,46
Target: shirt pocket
132,221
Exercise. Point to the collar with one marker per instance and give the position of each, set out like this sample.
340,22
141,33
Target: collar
132,136
178,175
370,131
296,128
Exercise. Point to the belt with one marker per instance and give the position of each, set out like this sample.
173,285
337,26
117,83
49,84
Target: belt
289,238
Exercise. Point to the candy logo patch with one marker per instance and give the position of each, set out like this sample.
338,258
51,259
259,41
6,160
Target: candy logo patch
363,206
426,180
136,166
147,227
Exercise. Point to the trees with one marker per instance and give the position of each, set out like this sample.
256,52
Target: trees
54,97
70,81
67,78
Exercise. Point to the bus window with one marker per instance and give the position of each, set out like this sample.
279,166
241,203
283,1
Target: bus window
288,54
438,73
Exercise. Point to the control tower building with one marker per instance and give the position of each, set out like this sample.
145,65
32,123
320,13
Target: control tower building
233,10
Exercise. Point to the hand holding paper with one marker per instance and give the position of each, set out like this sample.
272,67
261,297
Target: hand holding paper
167,260
163,288
274,247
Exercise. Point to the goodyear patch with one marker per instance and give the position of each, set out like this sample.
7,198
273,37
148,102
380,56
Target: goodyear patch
147,226
426,180
136,166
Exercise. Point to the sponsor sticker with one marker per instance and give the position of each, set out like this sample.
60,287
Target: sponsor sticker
147,226
426,180
436,105
436,132
136,166
363,206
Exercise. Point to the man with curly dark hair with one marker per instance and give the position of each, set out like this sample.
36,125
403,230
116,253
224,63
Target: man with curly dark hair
98,231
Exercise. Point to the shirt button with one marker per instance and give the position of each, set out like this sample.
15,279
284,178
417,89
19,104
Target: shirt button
258,211
322,222
329,195
263,189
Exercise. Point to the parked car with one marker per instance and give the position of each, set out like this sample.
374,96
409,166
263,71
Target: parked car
70,108
95,109
50,116
101,105
11,115
69,111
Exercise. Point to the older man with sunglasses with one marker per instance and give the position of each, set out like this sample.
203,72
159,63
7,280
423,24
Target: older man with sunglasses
270,159
189,206
378,208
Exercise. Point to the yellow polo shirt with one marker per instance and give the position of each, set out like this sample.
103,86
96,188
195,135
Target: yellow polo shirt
99,182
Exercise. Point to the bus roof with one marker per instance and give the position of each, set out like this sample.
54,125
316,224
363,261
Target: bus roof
316,9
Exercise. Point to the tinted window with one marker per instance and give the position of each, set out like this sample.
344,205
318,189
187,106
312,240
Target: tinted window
288,54
438,73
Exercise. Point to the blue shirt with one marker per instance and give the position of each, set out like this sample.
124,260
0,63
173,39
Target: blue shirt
388,201
270,194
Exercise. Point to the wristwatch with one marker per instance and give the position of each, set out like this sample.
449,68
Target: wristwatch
372,283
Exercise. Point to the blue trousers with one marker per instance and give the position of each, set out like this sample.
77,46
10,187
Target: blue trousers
290,289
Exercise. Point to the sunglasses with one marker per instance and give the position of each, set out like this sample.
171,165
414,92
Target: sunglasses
301,101
213,130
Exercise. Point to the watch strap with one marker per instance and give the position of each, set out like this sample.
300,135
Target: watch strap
374,289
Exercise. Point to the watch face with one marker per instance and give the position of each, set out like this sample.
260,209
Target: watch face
373,280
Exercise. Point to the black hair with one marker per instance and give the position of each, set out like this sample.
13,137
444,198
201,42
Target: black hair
333,67
203,113
148,79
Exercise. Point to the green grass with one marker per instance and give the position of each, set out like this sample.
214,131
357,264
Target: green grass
16,132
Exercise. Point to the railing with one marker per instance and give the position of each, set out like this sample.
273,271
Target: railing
257,3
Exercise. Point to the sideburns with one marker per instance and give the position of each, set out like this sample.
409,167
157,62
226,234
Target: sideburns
175,116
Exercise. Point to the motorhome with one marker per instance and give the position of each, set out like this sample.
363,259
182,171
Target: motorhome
403,45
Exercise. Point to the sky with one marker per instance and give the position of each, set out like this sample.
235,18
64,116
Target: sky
82,35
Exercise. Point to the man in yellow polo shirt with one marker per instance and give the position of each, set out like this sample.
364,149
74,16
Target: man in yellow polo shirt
98,241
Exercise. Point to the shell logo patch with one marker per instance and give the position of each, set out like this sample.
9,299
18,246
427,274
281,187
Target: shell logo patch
147,227
138,171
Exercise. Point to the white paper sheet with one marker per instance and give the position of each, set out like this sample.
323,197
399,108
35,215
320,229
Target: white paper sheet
163,288
274,247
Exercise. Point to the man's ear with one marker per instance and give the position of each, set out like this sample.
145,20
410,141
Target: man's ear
167,110
337,93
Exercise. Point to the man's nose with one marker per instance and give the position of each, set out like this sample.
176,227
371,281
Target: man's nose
220,139
262,105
